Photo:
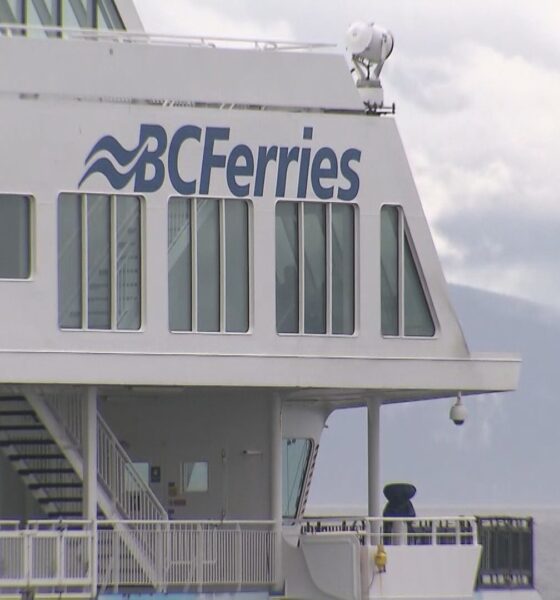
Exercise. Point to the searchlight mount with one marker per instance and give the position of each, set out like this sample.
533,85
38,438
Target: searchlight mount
370,46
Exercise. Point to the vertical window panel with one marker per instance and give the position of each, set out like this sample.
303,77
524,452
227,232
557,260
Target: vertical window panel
315,273
405,309
219,249
109,249
343,269
15,237
11,11
326,237
33,18
99,261
70,261
179,252
108,16
287,268
74,14
295,458
128,264
418,320
390,270
43,13
48,11
208,264
237,265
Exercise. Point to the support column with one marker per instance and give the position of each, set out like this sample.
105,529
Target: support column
89,450
276,484
89,420
374,446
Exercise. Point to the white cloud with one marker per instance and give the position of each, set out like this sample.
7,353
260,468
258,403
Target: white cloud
506,112
188,17
483,135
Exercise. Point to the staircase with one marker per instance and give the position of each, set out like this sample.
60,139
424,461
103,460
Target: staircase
38,460
41,435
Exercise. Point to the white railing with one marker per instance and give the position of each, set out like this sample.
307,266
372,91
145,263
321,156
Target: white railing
133,497
416,531
45,554
17,29
204,553
216,553
68,410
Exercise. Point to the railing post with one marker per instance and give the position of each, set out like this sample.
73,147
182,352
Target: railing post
239,558
116,550
161,557
474,528
89,422
374,448
94,559
199,556
27,556
276,487
60,567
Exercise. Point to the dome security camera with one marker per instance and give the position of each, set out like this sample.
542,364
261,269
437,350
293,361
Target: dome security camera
458,412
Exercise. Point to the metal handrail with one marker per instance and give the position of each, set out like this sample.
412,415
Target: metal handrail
128,490
89,34
115,469
215,553
417,530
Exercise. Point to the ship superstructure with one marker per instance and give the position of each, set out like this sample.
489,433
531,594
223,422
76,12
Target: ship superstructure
206,247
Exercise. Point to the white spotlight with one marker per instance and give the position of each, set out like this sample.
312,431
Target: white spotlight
370,44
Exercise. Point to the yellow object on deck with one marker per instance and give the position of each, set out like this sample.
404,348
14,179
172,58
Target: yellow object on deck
380,558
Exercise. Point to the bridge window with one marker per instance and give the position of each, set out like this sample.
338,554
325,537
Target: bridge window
296,454
405,310
208,265
15,236
99,261
315,268
108,16
73,14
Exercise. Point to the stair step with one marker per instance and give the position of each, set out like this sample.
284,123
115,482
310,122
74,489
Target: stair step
22,427
27,442
16,457
67,485
17,413
69,515
65,471
58,500
12,399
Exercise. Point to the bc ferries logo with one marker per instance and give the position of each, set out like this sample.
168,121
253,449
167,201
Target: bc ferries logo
206,154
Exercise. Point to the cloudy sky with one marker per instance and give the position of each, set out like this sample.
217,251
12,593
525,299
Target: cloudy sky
477,89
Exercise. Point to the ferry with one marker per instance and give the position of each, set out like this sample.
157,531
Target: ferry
208,246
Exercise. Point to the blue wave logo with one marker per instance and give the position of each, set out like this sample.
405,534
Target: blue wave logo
120,165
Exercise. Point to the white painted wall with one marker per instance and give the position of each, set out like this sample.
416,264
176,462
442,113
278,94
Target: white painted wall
214,426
